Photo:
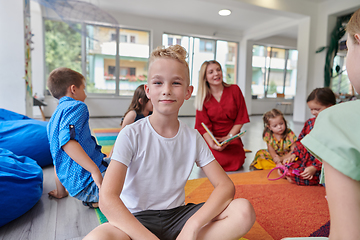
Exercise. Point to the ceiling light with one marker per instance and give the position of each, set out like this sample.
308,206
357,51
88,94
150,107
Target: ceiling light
224,12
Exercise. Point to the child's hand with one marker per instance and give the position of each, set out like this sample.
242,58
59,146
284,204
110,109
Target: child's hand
289,159
308,173
58,194
277,160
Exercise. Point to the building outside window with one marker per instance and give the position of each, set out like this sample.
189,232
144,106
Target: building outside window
112,65
274,72
101,54
200,50
123,38
206,45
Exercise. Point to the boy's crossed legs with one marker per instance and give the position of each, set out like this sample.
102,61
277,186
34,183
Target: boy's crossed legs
235,221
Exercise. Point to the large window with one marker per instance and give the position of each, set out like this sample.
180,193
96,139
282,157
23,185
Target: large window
62,46
200,50
274,72
114,60
102,66
340,83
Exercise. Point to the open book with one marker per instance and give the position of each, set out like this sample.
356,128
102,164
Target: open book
225,141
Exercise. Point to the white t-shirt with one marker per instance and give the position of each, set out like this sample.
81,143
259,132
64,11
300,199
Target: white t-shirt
158,167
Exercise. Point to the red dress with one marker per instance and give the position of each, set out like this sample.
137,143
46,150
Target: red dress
220,117
305,159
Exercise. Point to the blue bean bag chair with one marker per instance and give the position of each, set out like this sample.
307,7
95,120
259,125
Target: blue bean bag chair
25,136
21,185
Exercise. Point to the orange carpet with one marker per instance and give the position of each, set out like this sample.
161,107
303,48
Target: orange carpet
282,209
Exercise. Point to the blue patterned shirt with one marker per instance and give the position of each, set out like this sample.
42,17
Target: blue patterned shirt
70,121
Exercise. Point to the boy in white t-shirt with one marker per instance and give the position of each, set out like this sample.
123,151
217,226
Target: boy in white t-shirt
151,163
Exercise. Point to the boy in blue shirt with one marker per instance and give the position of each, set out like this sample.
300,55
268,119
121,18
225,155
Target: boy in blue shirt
78,161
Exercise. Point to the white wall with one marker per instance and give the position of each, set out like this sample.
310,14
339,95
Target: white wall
260,106
304,51
37,56
12,56
278,41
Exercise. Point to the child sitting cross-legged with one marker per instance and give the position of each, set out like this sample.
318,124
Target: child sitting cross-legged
142,194
279,140
79,163
302,161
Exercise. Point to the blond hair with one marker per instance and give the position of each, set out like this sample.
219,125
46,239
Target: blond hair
353,26
273,114
175,52
203,92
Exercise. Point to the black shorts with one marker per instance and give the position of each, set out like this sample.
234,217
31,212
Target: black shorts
167,224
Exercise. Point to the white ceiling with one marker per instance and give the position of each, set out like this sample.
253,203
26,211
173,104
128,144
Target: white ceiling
205,12
246,19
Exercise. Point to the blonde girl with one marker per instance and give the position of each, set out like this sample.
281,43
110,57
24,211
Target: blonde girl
221,107
279,140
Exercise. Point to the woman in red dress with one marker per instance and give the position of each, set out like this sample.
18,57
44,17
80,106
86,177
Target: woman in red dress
221,107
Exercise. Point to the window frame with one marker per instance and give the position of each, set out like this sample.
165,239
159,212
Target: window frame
268,69
191,52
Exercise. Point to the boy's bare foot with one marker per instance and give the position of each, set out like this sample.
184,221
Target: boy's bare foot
56,194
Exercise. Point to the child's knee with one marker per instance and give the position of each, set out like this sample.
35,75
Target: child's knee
243,210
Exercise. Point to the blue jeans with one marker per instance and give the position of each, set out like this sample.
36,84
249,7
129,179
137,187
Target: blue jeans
90,194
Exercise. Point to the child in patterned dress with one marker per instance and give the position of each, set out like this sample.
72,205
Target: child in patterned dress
307,165
279,139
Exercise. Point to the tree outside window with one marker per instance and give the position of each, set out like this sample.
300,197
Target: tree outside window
62,46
